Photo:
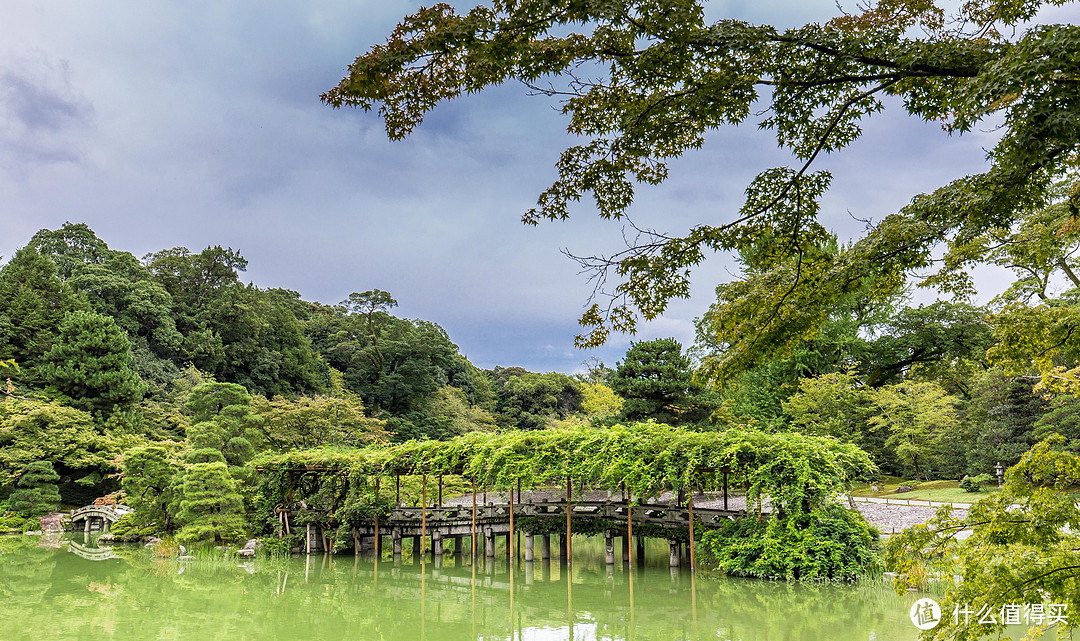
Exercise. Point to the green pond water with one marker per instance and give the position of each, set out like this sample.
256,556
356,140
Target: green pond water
48,590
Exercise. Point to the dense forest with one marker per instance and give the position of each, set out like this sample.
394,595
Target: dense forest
162,378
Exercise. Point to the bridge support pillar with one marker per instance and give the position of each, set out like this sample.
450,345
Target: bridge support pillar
609,547
640,540
397,542
625,548
436,543
86,525
562,546
545,547
528,547
457,546
673,553
489,542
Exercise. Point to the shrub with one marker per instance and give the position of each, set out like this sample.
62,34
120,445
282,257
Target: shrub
830,543
12,523
974,483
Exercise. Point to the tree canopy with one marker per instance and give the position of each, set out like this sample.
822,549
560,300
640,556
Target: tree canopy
644,82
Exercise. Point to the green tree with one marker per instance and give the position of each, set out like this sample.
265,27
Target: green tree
531,401
917,416
600,401
656,381
36,492
223,427
1023,547
316,421
91,363
149,480
838,405
661,78
72,246
32,430
33,302
211,508
1062,417
1003,412
935,339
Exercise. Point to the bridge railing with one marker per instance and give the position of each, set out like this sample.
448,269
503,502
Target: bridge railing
663,515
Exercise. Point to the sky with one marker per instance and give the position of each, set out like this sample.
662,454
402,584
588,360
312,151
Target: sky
163,124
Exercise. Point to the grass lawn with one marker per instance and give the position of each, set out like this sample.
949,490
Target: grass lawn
944,490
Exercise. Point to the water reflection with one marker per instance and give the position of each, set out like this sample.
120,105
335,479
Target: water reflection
133,595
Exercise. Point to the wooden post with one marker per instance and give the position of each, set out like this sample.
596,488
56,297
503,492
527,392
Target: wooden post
440,490
569,551
474,517
629,530
510,537
692,531
378,536
423,516
397,490
725,488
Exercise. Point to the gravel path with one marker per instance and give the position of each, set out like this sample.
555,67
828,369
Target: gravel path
888,519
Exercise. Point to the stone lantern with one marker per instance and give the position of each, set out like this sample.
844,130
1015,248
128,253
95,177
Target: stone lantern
999,469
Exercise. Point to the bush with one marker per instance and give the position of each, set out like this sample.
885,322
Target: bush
831,543
12,523
974,483
126,529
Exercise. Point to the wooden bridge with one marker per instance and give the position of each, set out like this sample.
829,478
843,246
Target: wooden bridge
482,525
97,517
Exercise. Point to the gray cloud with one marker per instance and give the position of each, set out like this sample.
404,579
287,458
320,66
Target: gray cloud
43,117
204,127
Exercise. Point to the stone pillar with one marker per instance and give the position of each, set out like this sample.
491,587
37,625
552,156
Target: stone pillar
625,548
673,553
528,547
457,546
609,548
416,547
562,546
86,525
436,543
545,546
489,542
640,540
397,542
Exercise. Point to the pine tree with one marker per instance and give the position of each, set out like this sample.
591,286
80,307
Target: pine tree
91,362
36,492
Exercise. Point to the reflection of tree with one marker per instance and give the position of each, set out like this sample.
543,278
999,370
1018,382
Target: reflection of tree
320,598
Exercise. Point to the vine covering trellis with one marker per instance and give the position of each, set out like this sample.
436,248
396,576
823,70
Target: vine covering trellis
796,472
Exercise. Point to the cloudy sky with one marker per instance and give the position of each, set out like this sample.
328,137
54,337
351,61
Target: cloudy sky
165,124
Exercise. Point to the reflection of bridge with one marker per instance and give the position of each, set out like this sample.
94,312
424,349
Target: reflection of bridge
485,524
97,517
90,553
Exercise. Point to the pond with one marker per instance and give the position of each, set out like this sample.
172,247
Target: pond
70,588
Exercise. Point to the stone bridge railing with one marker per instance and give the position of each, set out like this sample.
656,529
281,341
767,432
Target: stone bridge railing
97,517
